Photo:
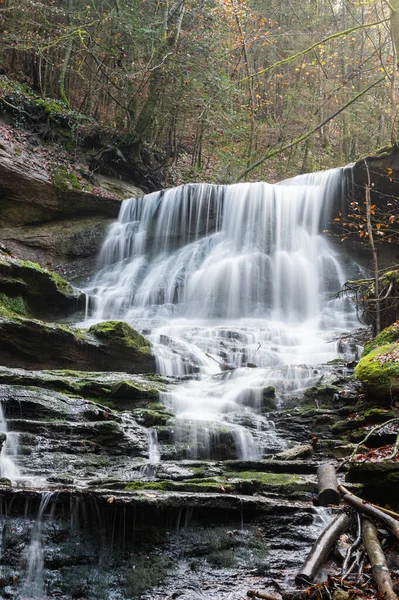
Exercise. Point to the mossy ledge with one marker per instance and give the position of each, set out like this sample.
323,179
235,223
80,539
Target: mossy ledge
119,332
29,290
62,346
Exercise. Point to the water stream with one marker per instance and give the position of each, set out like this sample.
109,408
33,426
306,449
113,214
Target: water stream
33,586
235,287
9,451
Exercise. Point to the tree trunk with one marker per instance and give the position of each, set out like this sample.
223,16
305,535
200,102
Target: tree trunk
373,252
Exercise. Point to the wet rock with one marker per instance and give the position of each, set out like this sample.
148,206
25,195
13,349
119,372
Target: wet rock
321,394
116,390
382,475
269,401
301,451
33,344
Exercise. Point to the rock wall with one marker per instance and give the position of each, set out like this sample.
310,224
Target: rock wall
47,216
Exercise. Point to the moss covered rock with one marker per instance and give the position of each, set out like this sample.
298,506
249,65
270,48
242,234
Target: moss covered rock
387,336
378,370
323,394
32,344
121,334
28,289
64,179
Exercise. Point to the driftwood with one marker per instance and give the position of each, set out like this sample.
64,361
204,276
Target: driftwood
264,595
378,563
321,548
328,485
393,514
372,511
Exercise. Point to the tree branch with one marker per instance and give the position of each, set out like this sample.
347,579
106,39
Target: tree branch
309,133
313,46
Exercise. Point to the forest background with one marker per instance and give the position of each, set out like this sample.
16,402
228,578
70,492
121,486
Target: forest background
220,90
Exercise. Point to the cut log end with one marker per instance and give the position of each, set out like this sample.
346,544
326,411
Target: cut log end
328,486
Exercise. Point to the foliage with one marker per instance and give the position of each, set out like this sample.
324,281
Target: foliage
212,85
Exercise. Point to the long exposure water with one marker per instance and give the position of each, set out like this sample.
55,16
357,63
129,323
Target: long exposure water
235,287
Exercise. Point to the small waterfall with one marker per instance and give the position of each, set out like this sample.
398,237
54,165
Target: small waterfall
9,451
33,585
223,279
154,456
153,450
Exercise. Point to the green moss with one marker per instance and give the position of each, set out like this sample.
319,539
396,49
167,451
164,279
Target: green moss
10,305
51,106
379,370
387,336
121,333
150,418
320,392
64,179
384,150
241,483
29,276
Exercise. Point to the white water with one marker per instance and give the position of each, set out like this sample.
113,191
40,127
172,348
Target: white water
9,451
231,276
33,585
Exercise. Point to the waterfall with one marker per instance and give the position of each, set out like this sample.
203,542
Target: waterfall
33,586
222,279
9,451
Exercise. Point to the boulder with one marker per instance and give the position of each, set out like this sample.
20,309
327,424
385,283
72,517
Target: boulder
378,370
32,344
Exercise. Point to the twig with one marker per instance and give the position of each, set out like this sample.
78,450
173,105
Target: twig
394,450
345,570
345,491
369,434
366,508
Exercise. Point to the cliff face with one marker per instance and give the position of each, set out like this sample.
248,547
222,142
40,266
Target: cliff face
382,172
50,215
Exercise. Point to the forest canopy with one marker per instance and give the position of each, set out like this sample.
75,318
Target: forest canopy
217,86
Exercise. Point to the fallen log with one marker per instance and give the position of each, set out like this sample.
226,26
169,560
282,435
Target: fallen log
378,563
393,514
321,549
328,485
368,509
264,595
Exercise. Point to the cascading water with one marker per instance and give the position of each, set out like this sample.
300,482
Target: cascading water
9,451
33,586
222,279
